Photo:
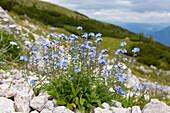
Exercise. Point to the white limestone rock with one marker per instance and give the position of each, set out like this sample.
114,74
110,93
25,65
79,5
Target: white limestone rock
46,111
34,111
39,102
136,109
6,105
22,102
49,105
156,106
120,110
17,76
132,81
100,110
2,89
61,109
54,101
106,105
9,92
45,94
2,71
118,104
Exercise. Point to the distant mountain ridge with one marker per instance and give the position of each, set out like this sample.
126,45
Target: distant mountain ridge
163,36
160,32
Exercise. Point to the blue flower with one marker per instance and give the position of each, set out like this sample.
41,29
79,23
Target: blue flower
54,56
107,71
98,35
123,92
103,51
73,36
33,52
45,57
91,34
99,40
76,41
80,50
147,88
158,87
30,60
61,35
85,53
72,48
135,50
123,44
64,63
85,35
141,87
156,83
66,57
165,90
89,42
105,75
23,58
92,54
56,42
153,87
163,98
52,35
93,48
121,79
60,51
36,59
79,28
124,51
107,63
118,51
102,61
126,76
117,87
117,66
32,82
57,65
77,69
29,45
64,37
125,59
103,57
48,45
42,44
146,84
93,60
33,48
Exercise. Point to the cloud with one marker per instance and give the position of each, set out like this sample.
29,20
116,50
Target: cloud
142,11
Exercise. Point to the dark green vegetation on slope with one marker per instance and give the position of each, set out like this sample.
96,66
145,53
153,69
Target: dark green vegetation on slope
53,15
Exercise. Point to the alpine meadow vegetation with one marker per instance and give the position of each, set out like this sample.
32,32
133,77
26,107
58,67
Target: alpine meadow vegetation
76,72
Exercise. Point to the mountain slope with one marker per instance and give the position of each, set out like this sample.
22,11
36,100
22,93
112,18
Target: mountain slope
163,36
44,13
61,20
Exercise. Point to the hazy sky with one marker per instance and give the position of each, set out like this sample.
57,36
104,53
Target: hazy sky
142,11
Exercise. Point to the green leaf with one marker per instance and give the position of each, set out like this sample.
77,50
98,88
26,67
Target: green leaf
73,104
82,100
69,106
98,102
89,105
76,99
93,93
61,103
53,93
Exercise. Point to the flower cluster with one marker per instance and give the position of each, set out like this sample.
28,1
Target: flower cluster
78,65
